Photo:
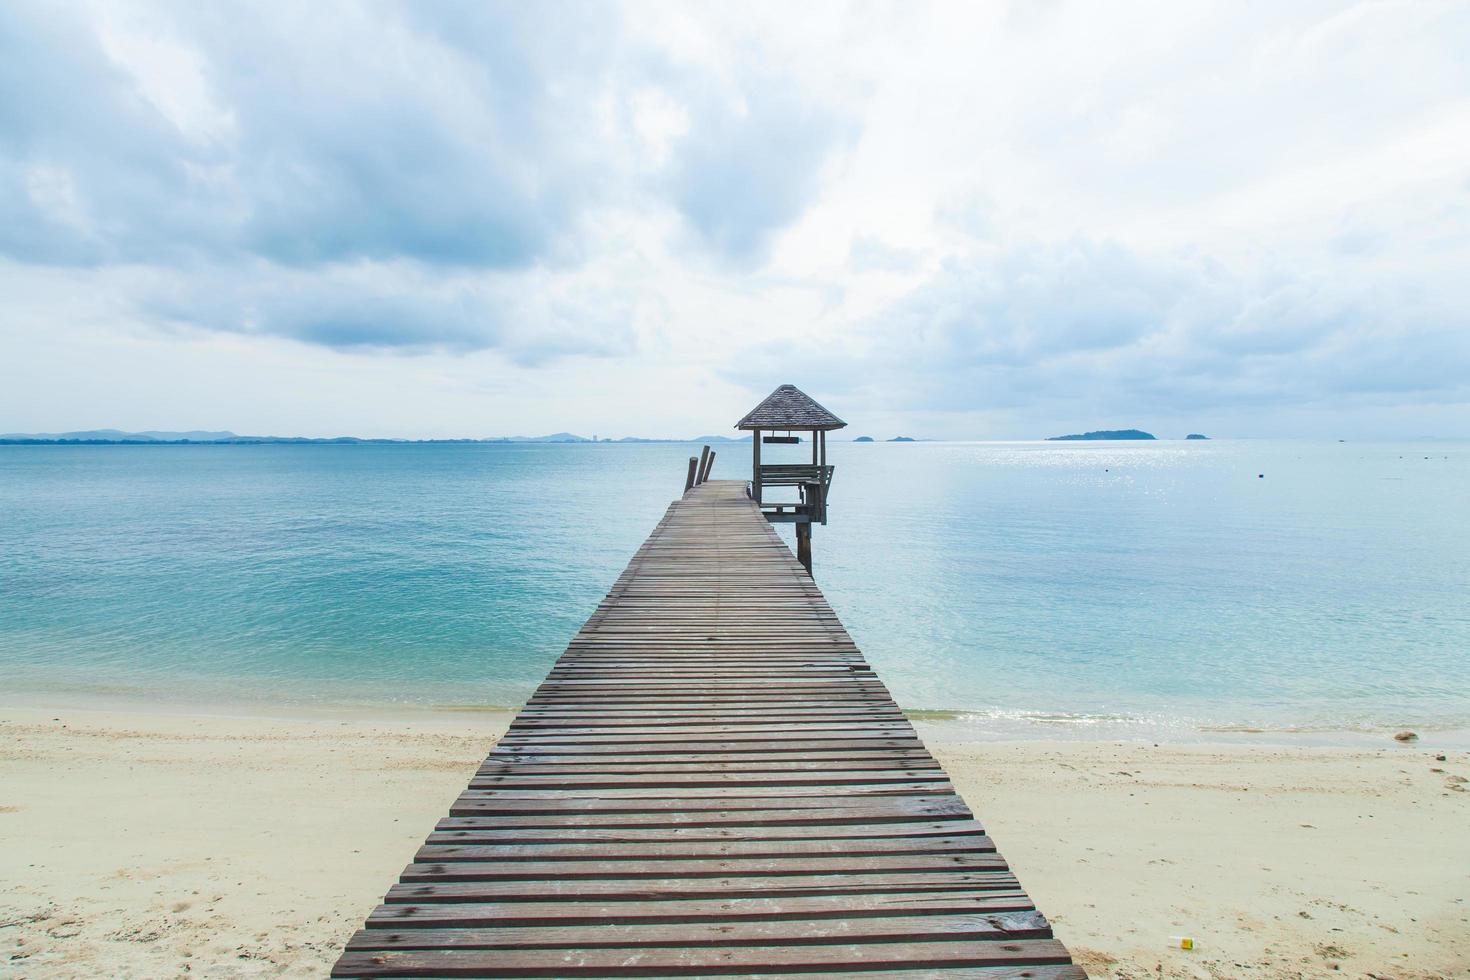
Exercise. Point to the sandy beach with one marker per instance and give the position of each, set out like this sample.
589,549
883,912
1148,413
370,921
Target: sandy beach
142,843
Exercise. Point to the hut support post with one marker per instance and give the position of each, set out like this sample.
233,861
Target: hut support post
804,545
755,473
819,489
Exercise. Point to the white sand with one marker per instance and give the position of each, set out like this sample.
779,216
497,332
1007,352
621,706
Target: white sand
1280,862
158,845
149,844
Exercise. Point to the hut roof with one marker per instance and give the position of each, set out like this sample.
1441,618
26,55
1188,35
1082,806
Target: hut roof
788,407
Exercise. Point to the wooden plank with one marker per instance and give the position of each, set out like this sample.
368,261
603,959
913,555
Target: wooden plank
658,889
806,731
711,781
694,750
513,778
709,867
696,960
676,810
1008,972
561,766
498,813
966,926
726,792
590,910
641,850
675,761
629,835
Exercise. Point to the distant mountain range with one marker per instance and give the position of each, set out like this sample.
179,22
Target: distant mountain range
118,437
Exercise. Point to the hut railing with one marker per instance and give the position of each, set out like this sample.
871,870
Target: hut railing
794,474
812,479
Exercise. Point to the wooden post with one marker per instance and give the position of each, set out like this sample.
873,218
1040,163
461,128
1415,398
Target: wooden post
804,545
703,457
693,471
821,476
755,467
709,464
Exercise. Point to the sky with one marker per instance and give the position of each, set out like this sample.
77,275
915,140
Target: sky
954,221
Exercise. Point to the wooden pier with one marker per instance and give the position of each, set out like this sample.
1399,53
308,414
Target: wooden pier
710,782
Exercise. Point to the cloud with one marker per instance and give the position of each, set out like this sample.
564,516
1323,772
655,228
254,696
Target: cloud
751,161
453,134
1080,328
873,254
401,308
951,212
331,138
339,133
377,140
84,161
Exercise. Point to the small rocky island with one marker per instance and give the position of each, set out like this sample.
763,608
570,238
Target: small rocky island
863,439
1104,434
901,439
1196,435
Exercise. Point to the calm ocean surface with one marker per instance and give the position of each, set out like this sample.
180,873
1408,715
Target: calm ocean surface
1101,587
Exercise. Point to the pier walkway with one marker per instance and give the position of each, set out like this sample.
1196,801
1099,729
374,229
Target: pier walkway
710,782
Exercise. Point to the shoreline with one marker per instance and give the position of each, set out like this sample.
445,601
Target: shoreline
947,724
156,842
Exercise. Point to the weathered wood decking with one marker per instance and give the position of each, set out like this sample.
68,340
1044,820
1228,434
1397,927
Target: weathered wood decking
711,781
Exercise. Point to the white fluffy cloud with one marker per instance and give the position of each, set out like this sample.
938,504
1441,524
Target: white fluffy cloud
959,221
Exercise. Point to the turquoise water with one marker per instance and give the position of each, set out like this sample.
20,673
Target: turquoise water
1160,585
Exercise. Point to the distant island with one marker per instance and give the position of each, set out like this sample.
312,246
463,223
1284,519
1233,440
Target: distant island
117,437
863,439
1104,434
901,439
1196,435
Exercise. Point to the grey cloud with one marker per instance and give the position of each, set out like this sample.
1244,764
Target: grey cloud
750,167
451,137
457,135
399,308
449,155
1034,302
349,138
1086,328
85,164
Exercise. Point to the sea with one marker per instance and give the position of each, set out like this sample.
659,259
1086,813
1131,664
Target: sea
1164,590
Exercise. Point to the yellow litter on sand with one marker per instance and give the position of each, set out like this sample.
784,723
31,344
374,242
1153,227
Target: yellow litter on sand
1183,942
